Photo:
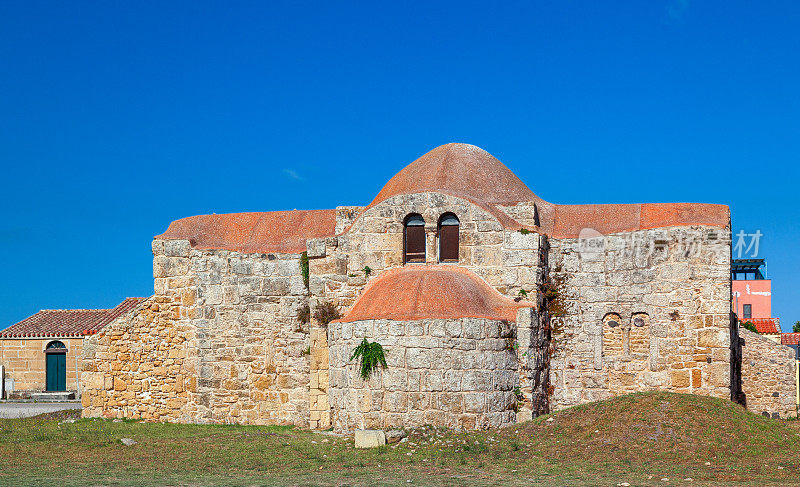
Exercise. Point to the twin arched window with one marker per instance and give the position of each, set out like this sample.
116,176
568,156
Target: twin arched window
414,238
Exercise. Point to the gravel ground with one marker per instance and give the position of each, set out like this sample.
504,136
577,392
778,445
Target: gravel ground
10,410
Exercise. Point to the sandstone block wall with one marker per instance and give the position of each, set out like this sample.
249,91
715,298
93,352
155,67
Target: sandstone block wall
676,281
454,373
319,415
768,376
138,366
250,346
224,327
25,364
530,349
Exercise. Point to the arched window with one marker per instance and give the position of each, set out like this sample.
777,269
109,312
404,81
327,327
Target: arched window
448,238
414,238
56,347
613,336
640,334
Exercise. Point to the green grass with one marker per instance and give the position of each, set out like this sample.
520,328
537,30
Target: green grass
639,439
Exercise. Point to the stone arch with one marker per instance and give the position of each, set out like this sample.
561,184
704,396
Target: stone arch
640,333
613,335
56,346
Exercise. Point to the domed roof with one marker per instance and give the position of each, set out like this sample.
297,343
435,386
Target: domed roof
461,170
431,292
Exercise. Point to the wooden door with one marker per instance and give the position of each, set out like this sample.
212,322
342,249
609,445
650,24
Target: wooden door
56,372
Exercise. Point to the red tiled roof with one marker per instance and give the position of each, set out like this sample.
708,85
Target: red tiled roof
432,291
460,170
611,218
471,173
769,326
272,231
67,322
790,338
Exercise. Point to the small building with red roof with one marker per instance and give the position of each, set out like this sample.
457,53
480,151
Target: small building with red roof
42,353
752,297
490,304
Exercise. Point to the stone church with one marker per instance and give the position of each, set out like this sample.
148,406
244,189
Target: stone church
491,304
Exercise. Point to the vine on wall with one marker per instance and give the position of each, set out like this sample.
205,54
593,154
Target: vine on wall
553,307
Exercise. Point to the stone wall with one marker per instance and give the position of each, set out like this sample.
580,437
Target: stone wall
768,376
251,348
645,310
319,415
507,260
454,373
531,347
25,364
231,320
138,366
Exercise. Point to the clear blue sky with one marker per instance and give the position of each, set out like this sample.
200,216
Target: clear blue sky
119,117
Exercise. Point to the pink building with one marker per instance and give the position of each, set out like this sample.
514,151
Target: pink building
752,296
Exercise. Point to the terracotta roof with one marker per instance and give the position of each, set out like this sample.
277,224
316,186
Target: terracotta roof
790,338
273,231
67,322
569,220
769,326
417,292
462,170
471,173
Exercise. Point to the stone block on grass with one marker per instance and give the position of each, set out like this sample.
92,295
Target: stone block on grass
370,438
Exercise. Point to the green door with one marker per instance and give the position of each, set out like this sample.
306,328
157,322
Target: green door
56,372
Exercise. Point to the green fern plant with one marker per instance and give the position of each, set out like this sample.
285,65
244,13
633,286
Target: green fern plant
371,355
304,267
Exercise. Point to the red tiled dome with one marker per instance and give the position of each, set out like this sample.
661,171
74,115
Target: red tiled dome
461,170
431,292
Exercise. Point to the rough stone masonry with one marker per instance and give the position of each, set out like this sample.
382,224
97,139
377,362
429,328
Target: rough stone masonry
492,306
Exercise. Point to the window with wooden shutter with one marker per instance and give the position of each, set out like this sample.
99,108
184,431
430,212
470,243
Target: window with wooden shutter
414,239
448,238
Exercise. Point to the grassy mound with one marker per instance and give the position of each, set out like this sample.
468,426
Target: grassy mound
662,427
637,439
